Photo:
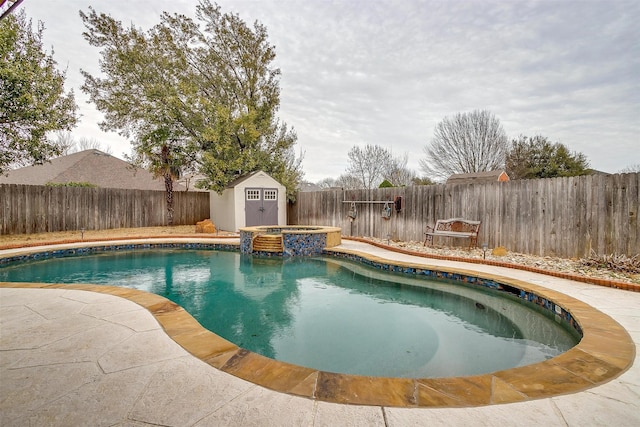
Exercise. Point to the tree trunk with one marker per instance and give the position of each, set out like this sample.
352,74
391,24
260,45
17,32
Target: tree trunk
168,186
168,183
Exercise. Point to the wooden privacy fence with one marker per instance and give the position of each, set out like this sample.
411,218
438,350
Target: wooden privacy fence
565,217
36,209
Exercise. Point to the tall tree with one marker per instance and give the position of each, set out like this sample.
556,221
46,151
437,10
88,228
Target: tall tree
465,143
368,164
537,157
193,95
33,103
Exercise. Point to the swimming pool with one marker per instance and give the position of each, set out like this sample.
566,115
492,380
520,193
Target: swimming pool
604,352
327,314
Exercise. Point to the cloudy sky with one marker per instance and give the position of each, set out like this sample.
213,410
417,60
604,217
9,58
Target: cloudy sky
357,72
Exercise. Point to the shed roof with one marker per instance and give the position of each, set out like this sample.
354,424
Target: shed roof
247,177
92,166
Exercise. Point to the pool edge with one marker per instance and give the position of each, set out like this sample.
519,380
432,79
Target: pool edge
604,353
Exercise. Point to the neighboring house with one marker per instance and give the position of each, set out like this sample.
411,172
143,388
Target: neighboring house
478,177
90,166
189,181
252,199
309,187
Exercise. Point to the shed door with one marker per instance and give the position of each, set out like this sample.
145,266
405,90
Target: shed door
261,206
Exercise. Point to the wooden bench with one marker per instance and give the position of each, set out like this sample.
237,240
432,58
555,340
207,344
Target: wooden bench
454,227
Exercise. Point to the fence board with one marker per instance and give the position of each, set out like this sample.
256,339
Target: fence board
36,209
559,216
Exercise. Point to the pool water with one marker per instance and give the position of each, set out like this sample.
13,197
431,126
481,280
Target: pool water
327,314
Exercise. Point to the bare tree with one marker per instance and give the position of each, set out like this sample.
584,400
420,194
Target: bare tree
397,173
368,164
92,144
349,182
326,183
631,168
65,140
466,143
70,145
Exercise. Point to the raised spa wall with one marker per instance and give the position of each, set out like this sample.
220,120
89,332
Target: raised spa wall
288,241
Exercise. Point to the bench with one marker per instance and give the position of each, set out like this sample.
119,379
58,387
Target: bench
454,227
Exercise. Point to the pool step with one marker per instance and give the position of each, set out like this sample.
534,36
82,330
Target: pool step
267,243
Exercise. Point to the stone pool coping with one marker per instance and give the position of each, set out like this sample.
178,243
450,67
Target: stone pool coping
605,352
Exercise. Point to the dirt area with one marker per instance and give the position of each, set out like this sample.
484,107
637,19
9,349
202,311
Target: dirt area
17,240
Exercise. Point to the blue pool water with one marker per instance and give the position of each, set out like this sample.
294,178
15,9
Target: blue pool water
327,314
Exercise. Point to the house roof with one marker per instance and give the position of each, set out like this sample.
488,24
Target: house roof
468,178
92,166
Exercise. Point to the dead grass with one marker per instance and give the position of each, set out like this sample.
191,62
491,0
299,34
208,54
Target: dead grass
16,240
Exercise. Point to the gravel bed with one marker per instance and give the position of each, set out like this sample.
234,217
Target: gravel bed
562,265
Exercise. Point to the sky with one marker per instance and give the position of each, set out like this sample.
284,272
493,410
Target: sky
358,72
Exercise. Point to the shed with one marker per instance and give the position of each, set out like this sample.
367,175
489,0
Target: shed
478,177
252,199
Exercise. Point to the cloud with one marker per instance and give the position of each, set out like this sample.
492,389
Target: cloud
358,72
